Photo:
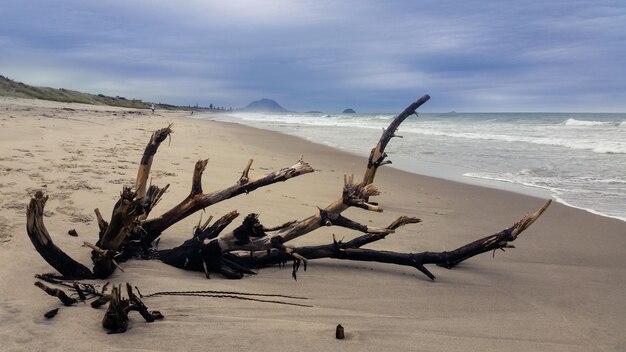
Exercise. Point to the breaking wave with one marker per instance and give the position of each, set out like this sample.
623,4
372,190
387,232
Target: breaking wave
578,158
603,147
586,123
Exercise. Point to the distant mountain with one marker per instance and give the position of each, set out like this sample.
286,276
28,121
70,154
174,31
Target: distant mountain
265,105
314,112
349,111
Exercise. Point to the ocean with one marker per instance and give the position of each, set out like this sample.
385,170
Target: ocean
578,159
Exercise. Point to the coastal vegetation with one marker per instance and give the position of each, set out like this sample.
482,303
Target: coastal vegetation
11,88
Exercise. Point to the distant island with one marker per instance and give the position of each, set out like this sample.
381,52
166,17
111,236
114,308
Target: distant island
265,105
349,111
314,112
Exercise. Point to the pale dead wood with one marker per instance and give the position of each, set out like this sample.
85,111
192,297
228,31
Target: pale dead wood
148,156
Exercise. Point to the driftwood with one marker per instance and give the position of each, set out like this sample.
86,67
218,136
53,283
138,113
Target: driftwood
116,317
40,238
55,292
131,233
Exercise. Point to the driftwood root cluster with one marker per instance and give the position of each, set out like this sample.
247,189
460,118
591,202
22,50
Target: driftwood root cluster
131,233
115,319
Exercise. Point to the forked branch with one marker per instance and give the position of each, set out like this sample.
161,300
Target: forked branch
352,250
500,240
356,195
198,200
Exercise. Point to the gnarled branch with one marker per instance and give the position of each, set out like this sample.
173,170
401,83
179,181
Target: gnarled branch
146,161
40,238
353,195
197,200
351,250
211,249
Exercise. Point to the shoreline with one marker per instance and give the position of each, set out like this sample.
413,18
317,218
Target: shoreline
452,173
501,191
561,289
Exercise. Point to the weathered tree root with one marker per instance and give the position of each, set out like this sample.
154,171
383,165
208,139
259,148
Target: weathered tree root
55,292
130,234
116,317
40,238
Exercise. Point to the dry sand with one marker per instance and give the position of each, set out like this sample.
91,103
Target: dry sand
562,289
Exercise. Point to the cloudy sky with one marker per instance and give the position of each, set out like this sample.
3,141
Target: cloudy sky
375,56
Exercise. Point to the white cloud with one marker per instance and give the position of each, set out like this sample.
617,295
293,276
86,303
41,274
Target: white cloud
234,13
541,52
378,76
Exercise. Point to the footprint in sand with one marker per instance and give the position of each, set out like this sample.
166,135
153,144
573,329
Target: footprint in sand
36,176
71,159
101,161
17,206
159,173
66,166
74,214
78,185
44,169
122,181
94,171
27,153
6,230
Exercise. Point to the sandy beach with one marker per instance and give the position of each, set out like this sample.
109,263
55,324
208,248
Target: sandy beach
561,289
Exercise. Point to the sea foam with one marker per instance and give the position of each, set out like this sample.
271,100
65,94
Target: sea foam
579,158
574,122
